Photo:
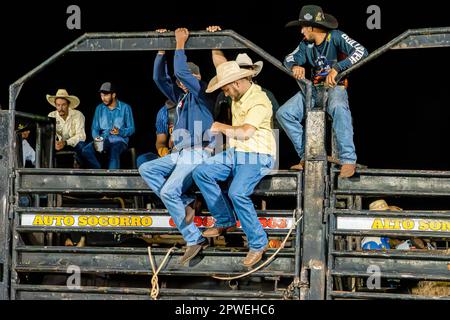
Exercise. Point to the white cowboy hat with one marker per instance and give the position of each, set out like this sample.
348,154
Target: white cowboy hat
62,93
228,72
244,61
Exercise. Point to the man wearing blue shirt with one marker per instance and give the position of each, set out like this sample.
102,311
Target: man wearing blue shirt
165,121
170,177
113,122
328,52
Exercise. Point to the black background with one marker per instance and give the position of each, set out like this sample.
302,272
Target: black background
399,102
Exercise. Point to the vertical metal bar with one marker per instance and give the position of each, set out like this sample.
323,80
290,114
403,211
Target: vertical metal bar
314,234
38,145
15,239
331,230
298,231
38,157
5,193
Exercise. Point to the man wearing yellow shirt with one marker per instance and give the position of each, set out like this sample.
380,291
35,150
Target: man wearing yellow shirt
249,158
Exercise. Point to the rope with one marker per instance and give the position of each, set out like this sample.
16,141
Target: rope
294,225
154,293
289,292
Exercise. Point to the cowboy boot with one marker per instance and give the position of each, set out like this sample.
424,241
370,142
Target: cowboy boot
192,251
347,170
299,166
253,257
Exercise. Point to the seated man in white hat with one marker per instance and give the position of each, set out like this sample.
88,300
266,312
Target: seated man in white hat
222,107
249,158
70,134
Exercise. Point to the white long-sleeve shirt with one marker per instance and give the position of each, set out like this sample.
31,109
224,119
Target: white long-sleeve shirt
70,130
28,152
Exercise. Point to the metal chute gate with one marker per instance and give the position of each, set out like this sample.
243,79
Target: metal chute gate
322,259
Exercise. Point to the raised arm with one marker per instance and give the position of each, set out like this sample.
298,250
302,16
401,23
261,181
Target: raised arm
161,74
218,56
181,68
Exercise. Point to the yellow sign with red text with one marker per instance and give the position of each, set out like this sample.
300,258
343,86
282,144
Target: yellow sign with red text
131,221
393,224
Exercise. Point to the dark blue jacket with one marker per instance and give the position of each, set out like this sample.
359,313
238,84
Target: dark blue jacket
193,107
338,51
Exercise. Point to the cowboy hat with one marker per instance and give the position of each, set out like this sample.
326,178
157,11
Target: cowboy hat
23,127
313,16
381,205
62,93
244,61
228,72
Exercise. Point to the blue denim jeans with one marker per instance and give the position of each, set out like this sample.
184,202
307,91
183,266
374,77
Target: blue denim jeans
143,158
170,177
247,169
113,149
290,116
78,151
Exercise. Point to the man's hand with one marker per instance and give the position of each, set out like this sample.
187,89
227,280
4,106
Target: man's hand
114,131
213,28
216,127
298,72
330,81
181,36
59,145
161,31
163,151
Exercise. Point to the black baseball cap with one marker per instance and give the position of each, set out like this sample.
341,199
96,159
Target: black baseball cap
107,87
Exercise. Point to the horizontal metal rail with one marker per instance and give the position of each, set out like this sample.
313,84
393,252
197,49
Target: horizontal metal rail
391,233
140,272
131,231
411,276
287,253
86,293
400,173
134,261
395,254
362,192
382,295
43,181
107,211
34,117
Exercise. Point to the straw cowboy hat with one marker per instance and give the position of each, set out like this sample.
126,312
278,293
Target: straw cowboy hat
62,93
313,16
244,61
228,72
381,205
